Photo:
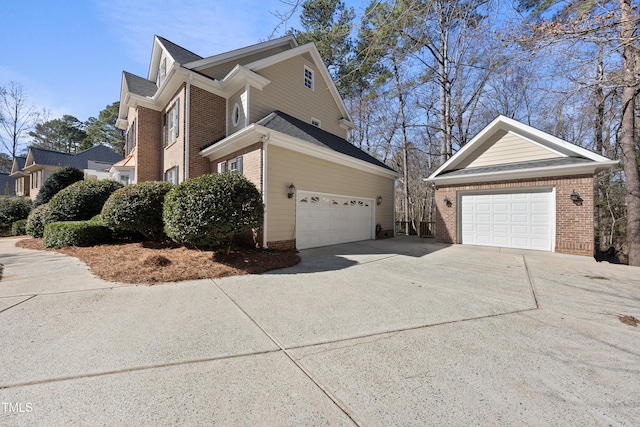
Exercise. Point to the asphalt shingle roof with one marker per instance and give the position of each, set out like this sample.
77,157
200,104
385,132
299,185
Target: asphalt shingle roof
7,185
180,54
281,122
558,161
140,86
99,153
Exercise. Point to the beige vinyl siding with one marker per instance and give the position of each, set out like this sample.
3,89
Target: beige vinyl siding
312,174
506,147
234,99
218,72
287,93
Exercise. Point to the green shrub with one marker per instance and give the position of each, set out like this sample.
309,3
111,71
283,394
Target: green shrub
80,201
62,178
13,209
137,208
209,210
74,233
36,221
18,228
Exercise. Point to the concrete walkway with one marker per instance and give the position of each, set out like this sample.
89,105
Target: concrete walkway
393,332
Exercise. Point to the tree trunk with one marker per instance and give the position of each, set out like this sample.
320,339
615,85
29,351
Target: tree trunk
403,128
627,131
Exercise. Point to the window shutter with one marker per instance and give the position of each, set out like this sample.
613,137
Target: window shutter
177,120
239,165
164,130
223,167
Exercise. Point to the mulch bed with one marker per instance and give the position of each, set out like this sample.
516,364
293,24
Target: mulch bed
148,262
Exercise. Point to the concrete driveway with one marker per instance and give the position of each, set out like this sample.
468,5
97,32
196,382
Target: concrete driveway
392,332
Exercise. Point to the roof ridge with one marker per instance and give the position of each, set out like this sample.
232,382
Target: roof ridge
164,40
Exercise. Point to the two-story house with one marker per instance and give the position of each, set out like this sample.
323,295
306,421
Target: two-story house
32,171
272,113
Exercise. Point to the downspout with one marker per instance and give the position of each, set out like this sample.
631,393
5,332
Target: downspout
187,121
395,182
265,144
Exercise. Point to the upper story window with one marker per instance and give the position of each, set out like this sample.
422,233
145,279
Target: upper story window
173,122
131,137
308,78
162,72
235,115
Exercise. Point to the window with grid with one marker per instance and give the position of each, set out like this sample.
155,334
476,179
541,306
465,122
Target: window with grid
308,78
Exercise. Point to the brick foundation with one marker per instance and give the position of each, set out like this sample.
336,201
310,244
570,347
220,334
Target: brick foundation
282,245
574,220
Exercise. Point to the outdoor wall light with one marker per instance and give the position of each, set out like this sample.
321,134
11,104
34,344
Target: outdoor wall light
575,196
379,200
447,201
292,190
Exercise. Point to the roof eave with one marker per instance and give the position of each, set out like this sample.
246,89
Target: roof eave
530,173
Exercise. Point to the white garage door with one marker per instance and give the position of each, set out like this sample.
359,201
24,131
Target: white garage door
523,220
323,219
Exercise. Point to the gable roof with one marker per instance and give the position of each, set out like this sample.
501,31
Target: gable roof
178,53
18,165
548,156
284,123
138,85
44,157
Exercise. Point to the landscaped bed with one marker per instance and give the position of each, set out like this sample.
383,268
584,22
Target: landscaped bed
148,262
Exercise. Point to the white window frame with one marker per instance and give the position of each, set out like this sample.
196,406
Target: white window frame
174,122
315,122
308,78
235,115
171,175
162,72
235,165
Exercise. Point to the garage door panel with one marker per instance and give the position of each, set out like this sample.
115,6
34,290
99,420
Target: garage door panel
520,219
323,220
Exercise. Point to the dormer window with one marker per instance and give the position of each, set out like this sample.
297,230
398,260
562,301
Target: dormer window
162,73
308,78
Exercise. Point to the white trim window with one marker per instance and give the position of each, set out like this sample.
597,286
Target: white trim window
315,122
171,175
173,119
308,78
223,167
235,165
162,73
235,115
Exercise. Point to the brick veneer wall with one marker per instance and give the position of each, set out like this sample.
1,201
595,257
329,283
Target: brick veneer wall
148,145
574,221
207,124
251,163
282,245
173,152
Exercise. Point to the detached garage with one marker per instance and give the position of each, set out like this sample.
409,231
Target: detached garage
514,186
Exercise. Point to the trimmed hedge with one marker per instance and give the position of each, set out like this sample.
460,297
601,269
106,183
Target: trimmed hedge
18,228
207,211
137,208
13,209
74,233
81,201
37,220
62,178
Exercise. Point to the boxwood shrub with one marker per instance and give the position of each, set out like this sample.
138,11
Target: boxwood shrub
13,209
18,228
207,211
80,201
62,178
137,208
37,220
74,233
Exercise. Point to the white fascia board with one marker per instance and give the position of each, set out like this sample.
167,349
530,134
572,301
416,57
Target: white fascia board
156,54
228,56
254,133
313,51
533,173
239,77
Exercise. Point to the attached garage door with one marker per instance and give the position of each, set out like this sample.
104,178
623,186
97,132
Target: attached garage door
523,220
323,219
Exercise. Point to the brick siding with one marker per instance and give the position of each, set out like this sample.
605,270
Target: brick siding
251,163
206,124
282,245
147,151
574,221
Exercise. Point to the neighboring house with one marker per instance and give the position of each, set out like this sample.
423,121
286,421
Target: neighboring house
518,187
7,185
124,170
272,113
32,171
